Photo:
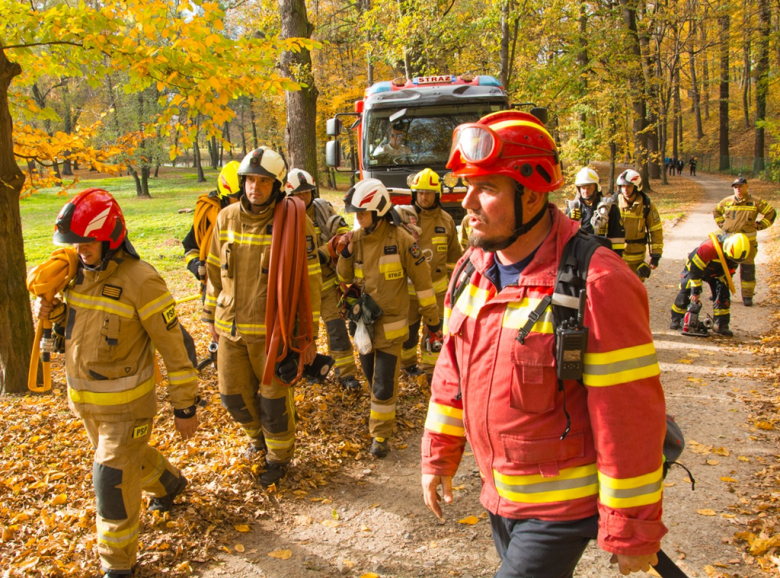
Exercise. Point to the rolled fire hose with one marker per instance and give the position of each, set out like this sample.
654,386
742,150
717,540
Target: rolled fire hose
47,280
288,298
722,259
205,218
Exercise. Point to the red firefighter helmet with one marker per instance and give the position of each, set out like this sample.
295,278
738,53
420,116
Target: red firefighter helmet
92,215
510,143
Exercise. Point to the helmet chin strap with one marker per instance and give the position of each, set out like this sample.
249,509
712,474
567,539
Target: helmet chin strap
524,227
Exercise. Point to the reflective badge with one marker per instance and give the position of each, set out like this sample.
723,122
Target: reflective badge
415,251
440,230
441,248
309,244
169,316
140,431
112,292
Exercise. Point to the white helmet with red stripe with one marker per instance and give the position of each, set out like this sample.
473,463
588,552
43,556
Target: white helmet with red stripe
368,195
630,177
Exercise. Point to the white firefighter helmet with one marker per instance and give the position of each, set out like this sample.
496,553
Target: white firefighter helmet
587,176
368,195
630,177
265,162
299,181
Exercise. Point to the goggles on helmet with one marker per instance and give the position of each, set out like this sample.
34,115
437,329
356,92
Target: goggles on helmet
480,145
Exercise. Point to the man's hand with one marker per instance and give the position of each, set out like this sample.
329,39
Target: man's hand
653,266
42,308
628,564
310,353
214,334
430,484
695,299
186,427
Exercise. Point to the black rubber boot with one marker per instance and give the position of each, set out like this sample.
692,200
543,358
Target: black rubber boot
165,503
273,473
413,371
747,301
723,330
351,383
379,447
676,324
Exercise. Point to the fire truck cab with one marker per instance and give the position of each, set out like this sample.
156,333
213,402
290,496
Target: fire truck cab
405,126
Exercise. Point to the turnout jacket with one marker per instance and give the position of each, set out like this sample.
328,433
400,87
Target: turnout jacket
735,215
380,263
503,396
639,224
440,244
237,267
703,264
579,210
321,239
114,320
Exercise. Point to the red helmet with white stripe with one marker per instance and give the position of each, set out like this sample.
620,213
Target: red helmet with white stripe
92,215
368,195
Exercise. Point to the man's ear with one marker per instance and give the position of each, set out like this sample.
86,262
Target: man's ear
534,198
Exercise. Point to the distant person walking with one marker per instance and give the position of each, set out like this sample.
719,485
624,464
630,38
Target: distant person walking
692,165
680,165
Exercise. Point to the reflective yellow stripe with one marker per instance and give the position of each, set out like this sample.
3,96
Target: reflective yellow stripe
427,297
315,269
251,328
569,484
694,282
472,300
717,312
154,474
382,412
698,262
440,285
328,284
176,377
429,357
210,301
358,271
100,304
445,328
224,325
118,539
155,306
634,257
439,240
242,238
678,309
445,419
620,366
390,266
516,316
395,330
631,492
278,444
111,398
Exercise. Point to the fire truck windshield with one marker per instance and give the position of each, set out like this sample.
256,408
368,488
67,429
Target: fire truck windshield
422,137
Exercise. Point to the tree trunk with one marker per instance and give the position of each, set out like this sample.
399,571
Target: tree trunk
196,159
583,63
636,82
16,326
254,125
723,141
301,130
695,86
215,157
705,65
226,134
676,113
139,190
145,181
746,31
762,81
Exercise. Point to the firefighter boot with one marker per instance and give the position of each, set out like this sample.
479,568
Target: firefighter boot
255,450
723,329
379,447
165,503
274,472
350,383
413,371
676,324
747,301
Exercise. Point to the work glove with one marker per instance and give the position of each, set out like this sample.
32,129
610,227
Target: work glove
654,259
194,266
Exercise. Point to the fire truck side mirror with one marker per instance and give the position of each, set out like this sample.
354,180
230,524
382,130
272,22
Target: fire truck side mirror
333,127
333,152
540,113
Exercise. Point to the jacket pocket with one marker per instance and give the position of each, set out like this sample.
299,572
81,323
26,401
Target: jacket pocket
115,370
534,381
226,261
545,453
109,338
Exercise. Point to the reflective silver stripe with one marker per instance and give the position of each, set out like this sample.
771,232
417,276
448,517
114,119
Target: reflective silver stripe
549,486
620,366
445,419
110,385
653,487
382,408
566,301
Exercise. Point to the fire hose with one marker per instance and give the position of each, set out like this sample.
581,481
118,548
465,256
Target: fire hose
288,289
46,281
204,220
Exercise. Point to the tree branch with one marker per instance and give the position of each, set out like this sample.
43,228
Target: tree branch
80,45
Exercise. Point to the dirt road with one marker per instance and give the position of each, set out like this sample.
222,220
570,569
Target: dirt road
371,517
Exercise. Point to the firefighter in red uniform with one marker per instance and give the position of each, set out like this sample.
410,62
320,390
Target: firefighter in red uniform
546,496
705,264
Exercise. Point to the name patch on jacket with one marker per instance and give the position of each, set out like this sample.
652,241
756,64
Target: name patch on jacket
415,251
169,317
391,250
440,229
112,292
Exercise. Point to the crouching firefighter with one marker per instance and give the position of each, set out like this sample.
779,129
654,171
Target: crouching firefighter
327,225
713,262
248,240
377,259
598,214
117,310
441,247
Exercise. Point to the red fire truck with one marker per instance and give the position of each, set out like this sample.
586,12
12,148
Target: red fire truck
404,126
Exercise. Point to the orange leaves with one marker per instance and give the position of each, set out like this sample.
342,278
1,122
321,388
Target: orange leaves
281,554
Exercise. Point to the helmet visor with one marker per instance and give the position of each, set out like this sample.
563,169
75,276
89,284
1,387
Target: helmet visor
477,144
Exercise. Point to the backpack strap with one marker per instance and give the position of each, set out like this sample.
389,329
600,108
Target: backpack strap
323,211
